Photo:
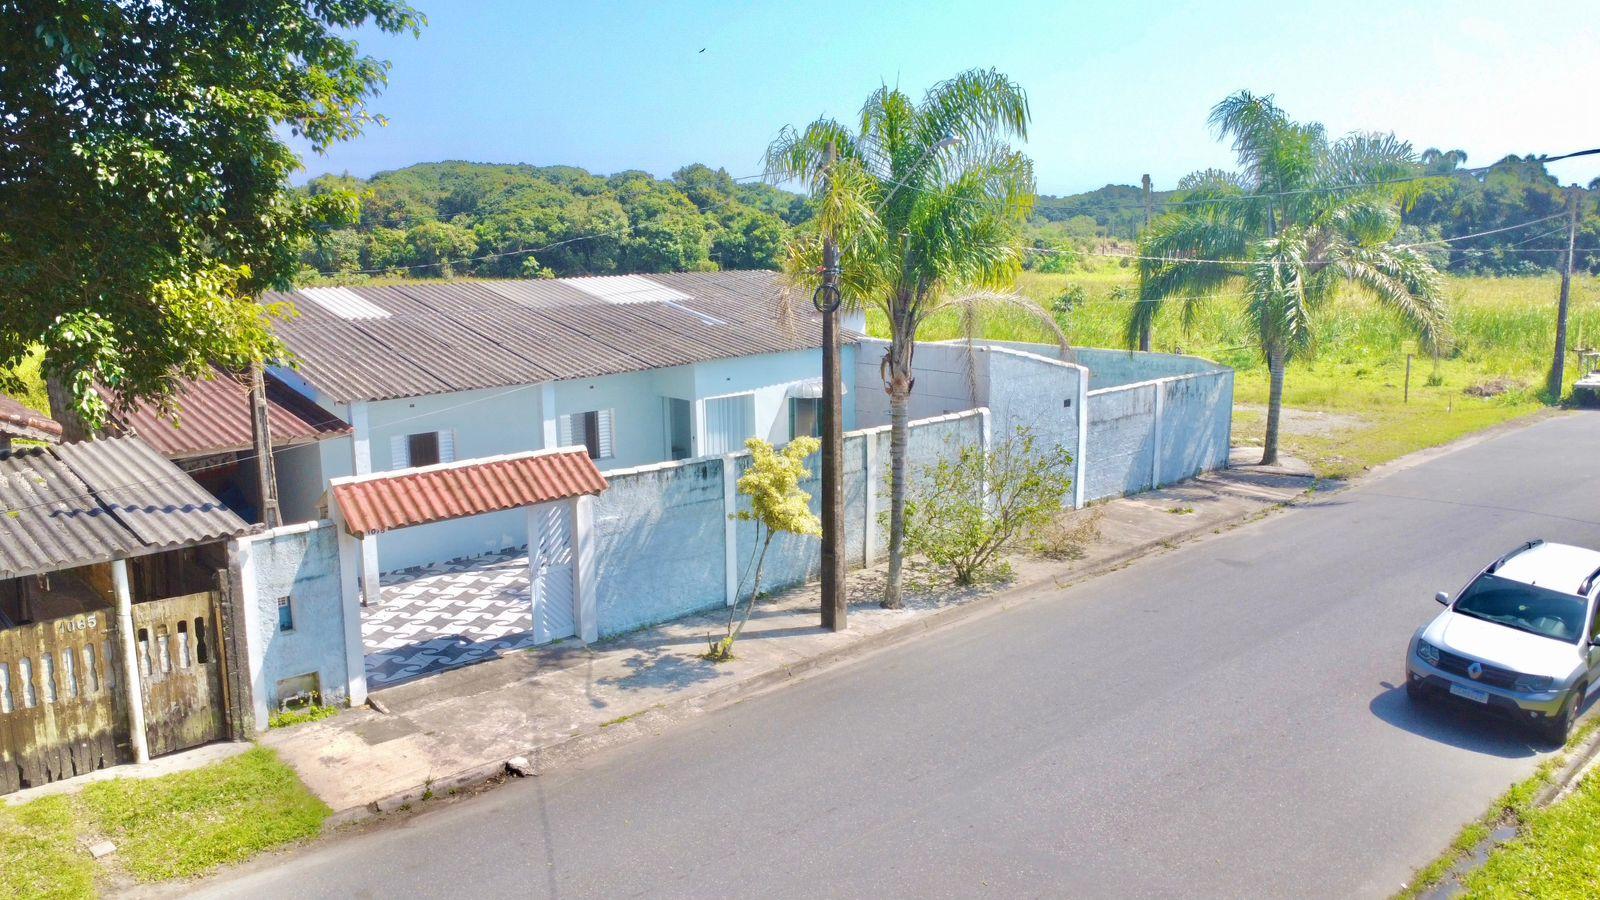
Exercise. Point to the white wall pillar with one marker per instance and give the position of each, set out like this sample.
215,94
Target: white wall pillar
874,476
535,575
1080,459
698,419
547,413
355,651
730,526
1155,437
250,622
133,685
360,440
986,444
584,570
371,587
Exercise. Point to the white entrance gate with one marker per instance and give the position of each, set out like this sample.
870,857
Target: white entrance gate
550,564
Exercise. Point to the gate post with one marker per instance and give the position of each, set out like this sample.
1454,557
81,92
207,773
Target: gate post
133,687
236,681
583,570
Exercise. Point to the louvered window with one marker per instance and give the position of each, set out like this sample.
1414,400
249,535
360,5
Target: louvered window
425,448
729,422
593,429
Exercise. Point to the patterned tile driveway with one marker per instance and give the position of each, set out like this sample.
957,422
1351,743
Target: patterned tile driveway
451,614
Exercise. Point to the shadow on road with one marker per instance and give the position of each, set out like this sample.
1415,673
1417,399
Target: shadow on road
1440,719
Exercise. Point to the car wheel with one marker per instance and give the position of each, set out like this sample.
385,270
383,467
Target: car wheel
1416,690
1558,728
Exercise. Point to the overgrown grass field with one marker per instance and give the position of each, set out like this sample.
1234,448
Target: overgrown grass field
1353,385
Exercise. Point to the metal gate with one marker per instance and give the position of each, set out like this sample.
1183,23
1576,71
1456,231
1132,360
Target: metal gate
180,667
550,561
61,712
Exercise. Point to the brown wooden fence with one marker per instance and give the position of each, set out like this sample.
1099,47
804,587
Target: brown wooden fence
62,709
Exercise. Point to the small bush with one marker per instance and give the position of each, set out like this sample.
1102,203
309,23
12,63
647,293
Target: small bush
1068,535
965,513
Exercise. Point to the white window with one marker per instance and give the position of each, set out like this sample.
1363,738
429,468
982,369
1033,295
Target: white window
729,422
424,448
592,429
805,417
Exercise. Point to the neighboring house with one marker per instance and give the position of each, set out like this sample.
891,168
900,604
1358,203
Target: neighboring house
208,432
637,369
18,421
112,645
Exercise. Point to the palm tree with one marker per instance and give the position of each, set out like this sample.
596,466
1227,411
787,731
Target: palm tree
1300,218
926,200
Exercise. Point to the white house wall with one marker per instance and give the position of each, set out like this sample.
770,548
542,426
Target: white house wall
769,377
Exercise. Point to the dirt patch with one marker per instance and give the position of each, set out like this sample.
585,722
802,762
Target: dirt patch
1494,387
1311,422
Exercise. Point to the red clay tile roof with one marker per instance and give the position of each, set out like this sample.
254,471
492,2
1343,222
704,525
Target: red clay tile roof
20,421
389,500
214,417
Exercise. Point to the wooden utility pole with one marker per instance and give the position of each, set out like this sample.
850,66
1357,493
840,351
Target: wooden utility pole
1558,368
261,432
827,302
1144,329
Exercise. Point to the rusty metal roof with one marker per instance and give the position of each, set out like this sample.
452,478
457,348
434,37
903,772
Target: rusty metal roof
389,500
95,501
408,340
214,417
18,420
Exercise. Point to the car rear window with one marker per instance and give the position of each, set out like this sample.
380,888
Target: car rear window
1525,607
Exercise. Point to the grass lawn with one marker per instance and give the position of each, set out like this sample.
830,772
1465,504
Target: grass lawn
1557,853
175,826
192,822
39,852
1350,391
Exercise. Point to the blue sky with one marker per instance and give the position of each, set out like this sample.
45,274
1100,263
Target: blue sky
1116,89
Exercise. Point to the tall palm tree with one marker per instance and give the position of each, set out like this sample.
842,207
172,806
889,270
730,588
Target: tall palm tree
926,200
1300,218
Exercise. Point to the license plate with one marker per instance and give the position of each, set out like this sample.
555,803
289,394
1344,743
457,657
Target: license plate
1469,693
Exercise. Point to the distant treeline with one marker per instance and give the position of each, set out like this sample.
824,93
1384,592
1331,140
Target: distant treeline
459,218
1451,201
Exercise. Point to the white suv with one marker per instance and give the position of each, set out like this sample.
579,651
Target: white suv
1522,638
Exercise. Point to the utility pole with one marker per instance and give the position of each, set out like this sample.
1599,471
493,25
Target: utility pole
261,433
1144,329
1558,368
827,301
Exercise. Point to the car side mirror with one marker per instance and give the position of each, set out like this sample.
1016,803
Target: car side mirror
1443,597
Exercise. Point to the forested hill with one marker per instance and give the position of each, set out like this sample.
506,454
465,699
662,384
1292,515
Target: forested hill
422,220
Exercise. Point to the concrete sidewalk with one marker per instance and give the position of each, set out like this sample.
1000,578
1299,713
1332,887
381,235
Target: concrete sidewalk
555,703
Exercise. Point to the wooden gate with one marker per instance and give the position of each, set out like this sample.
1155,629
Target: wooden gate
180,666
60,707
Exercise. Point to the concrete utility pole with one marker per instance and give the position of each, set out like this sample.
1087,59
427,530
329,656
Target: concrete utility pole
827,302
1144,329
132,686
1558,368
261,431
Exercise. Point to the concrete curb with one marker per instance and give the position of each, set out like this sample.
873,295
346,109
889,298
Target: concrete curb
583,743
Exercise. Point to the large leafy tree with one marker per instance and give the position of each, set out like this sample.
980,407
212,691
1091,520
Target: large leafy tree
927,199
1301,217
144,196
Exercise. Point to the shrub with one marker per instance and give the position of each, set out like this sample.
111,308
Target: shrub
969,511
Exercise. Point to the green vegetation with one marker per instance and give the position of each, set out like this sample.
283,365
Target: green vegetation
437,219
1514,807
188,823
39,852
1554,856
291,717
1503,329
144,178
927,201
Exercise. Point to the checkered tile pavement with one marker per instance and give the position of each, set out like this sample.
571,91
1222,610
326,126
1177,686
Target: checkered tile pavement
439,617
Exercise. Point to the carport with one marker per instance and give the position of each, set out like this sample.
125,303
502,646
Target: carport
419,622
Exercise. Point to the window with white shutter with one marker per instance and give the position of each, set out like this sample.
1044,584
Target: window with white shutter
424,448
593,429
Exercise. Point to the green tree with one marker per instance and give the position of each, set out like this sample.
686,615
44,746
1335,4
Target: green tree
928,201
144,197
1301,217
437,247
777,506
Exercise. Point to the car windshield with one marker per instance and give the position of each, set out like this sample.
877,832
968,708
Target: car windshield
1525,607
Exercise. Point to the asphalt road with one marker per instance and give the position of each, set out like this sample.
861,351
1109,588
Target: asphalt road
1220,720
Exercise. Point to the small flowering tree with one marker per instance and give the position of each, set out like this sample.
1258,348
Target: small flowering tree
777,506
